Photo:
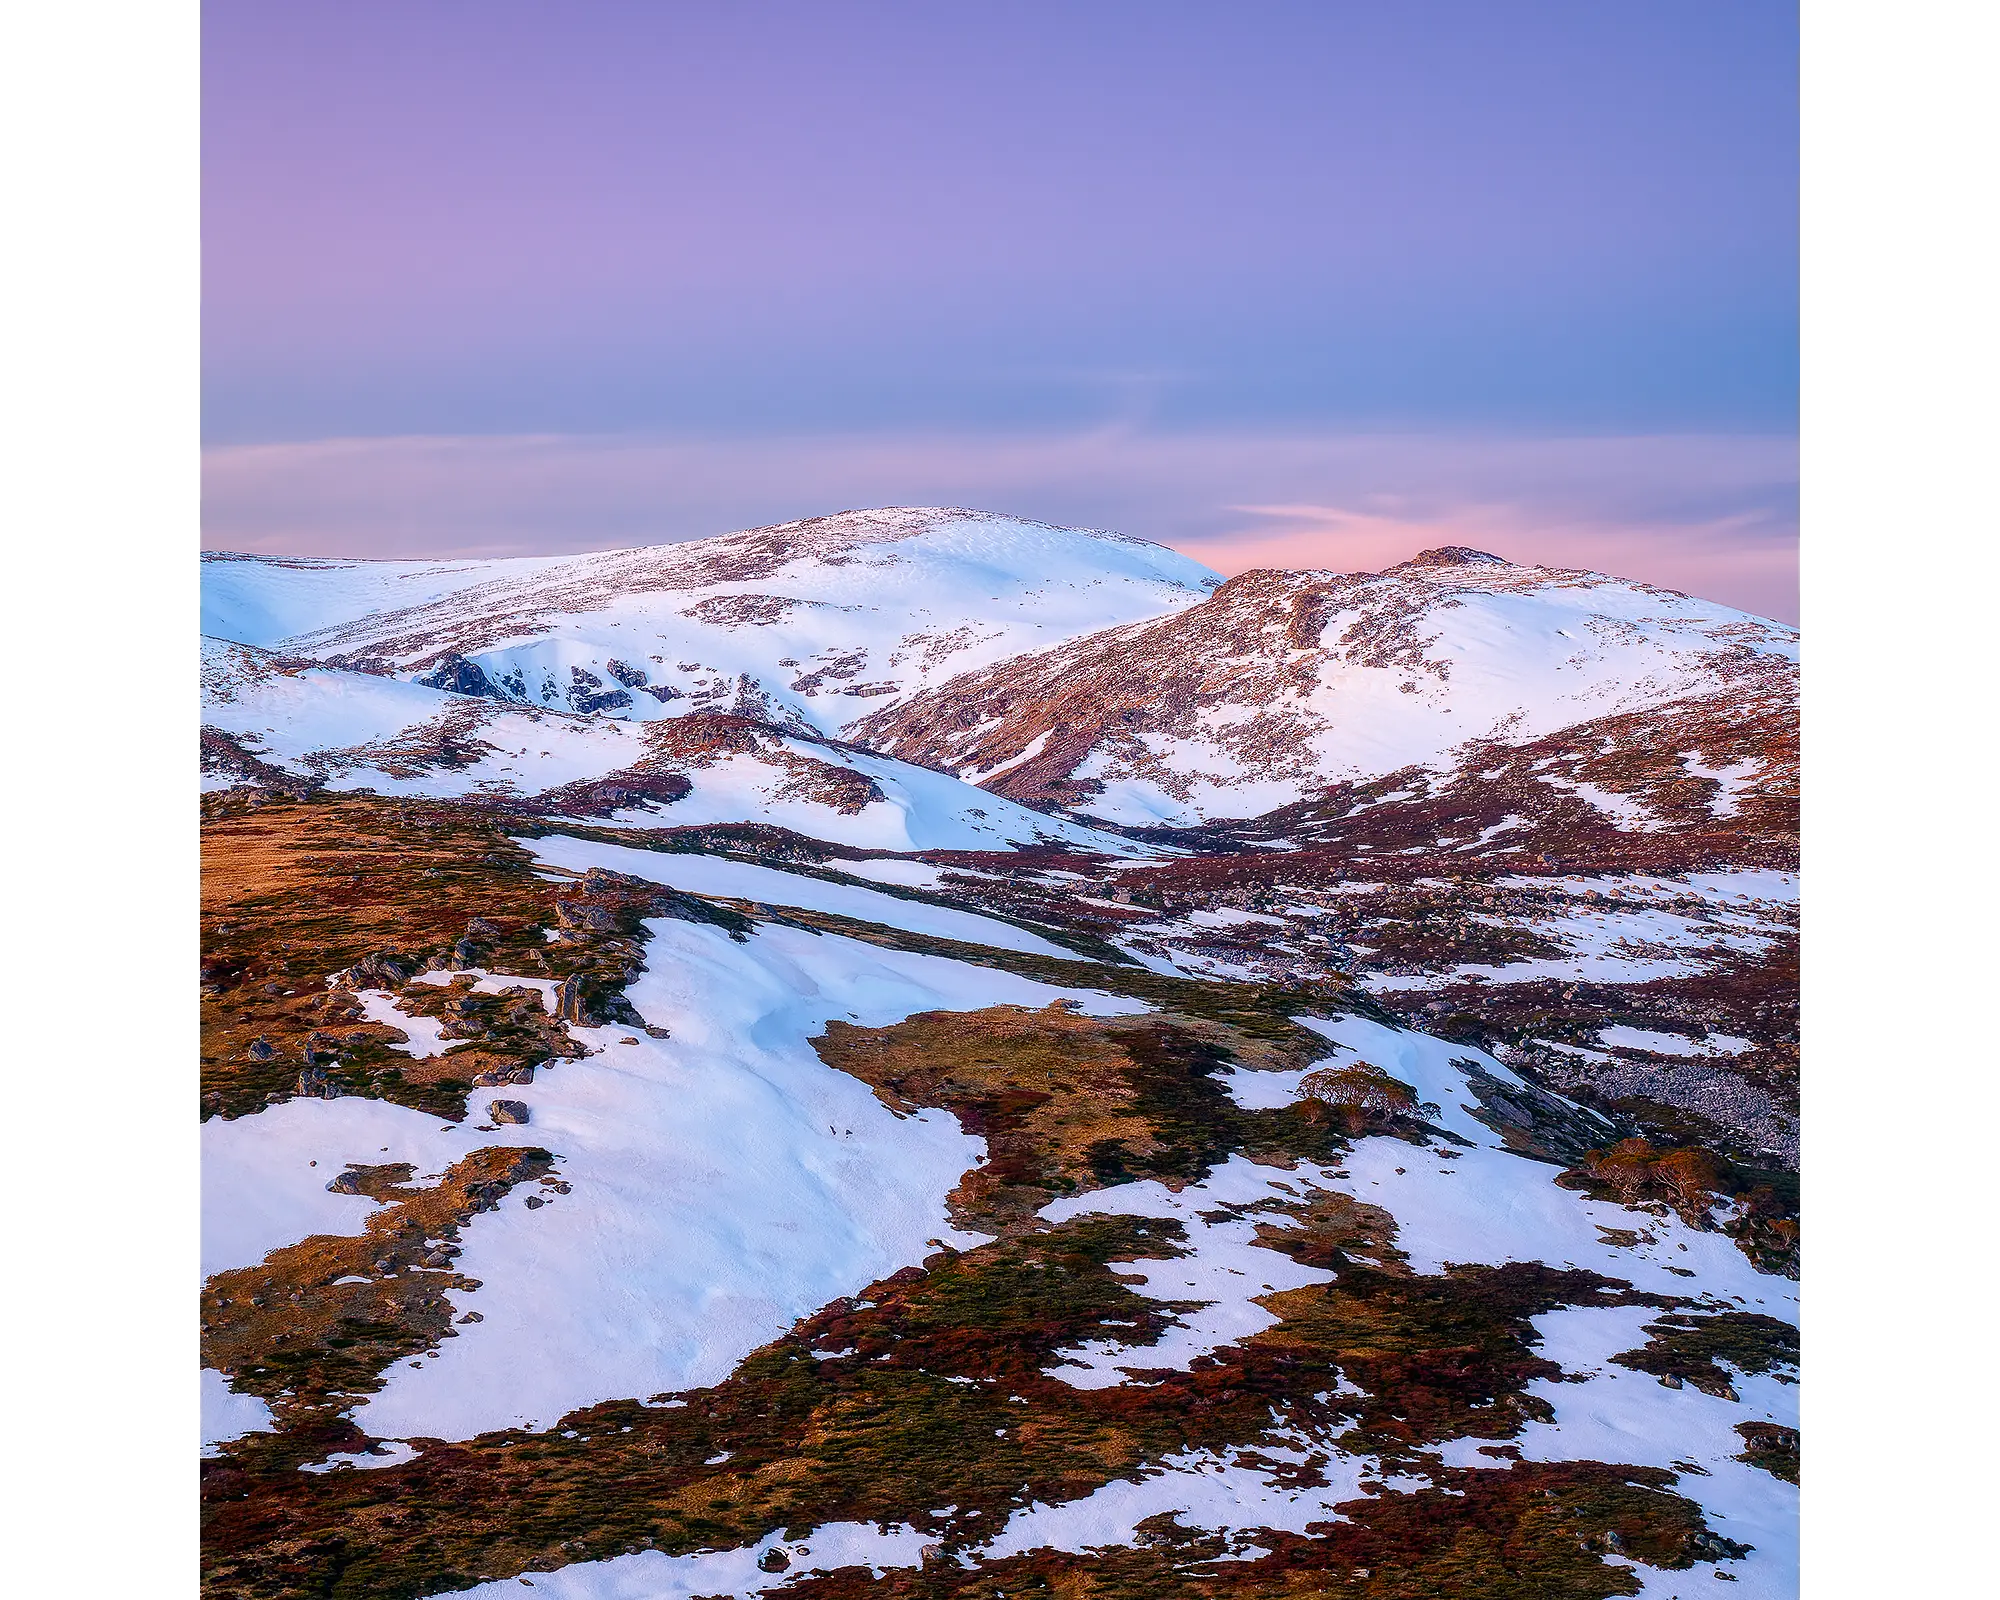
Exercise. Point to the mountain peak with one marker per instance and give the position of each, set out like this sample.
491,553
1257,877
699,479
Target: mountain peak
1456,555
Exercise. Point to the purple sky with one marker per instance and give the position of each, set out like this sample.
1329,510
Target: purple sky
1221,275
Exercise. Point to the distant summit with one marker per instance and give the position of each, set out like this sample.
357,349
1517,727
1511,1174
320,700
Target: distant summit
1456,555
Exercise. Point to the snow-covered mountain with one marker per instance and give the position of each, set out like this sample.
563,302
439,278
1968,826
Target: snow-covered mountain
820,1161
278,720
812,623
1282,684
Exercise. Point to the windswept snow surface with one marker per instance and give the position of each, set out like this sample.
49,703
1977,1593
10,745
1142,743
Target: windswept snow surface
825,620
263,600
724,1180
745,880
904,874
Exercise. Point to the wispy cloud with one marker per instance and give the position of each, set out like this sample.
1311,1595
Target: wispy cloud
1713,514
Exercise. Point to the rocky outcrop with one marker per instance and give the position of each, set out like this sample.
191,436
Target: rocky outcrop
456,675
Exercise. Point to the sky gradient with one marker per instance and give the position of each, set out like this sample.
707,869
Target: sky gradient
671,269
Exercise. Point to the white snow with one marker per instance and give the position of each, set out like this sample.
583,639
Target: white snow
1224,1268
904,874
714,1574
426,1033
1619,1036
1732,783
724,1180
227,1415
1626,1416
259,1189
392,1454
1241,1488
745,880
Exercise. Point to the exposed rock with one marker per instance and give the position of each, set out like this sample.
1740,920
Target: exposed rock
456,675
508,1111
587,694
582,917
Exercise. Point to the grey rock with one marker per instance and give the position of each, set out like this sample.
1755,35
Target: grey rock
585,918
508,1111
456,675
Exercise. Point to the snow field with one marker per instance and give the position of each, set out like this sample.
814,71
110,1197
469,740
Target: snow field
946,591
350,727
1529,652
227,1415
745,880
725,1181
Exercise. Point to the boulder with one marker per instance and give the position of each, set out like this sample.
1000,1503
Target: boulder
582,917
508,1111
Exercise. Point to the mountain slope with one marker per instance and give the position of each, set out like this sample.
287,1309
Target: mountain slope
813,623
1284,683
1369,1169
281,722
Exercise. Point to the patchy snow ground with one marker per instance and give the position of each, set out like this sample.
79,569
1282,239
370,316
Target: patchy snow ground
745,880
1203,1489
260,1189
714,1574
724,1180
1640,936
1620,1037
1622,1415
1223,1267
